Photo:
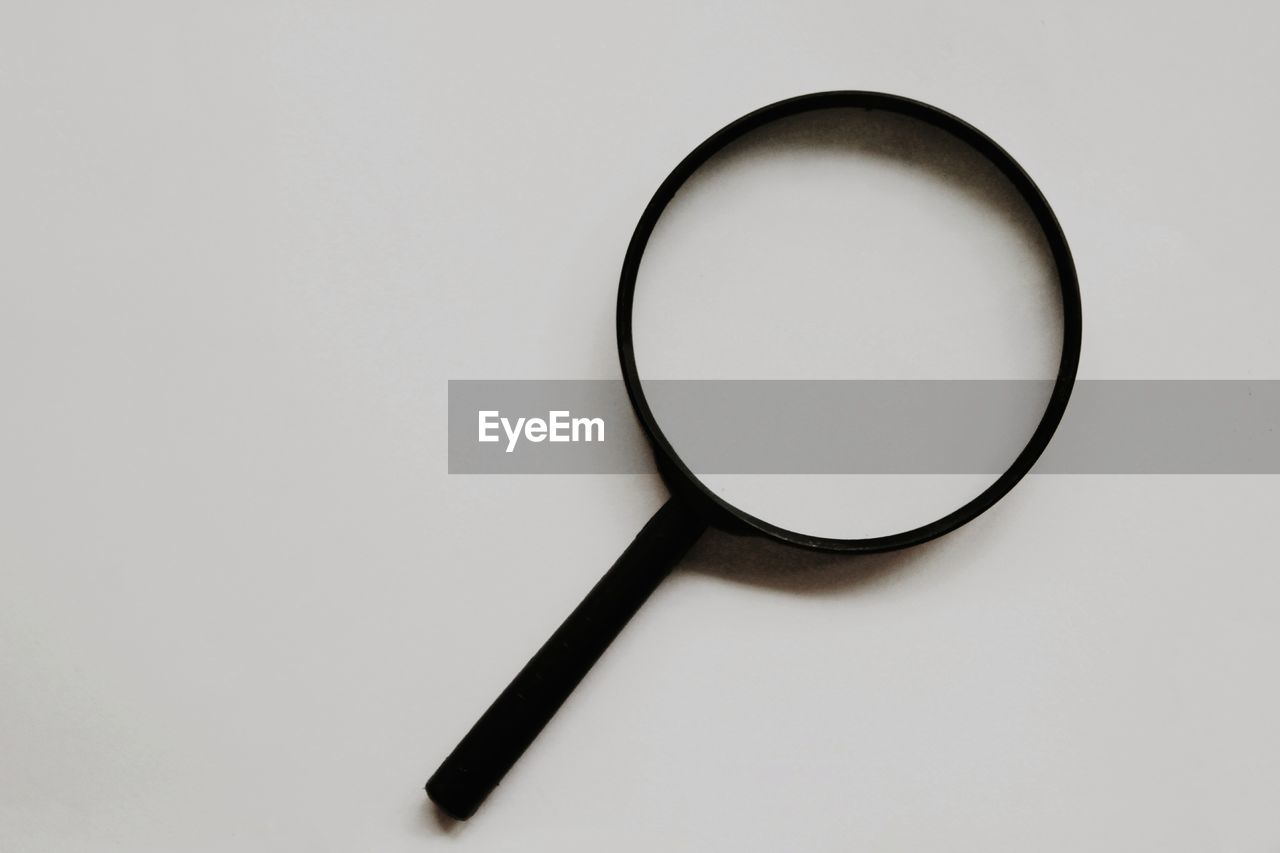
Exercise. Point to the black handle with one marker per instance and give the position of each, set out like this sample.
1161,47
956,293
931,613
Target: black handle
478,763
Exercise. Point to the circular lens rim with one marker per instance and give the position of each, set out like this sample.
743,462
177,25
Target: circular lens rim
997,156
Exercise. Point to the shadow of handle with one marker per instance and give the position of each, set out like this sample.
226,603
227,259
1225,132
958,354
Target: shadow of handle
504,732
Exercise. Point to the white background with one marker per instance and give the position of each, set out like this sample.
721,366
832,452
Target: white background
243,606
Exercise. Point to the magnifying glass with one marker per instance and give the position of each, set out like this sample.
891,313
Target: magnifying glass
709,330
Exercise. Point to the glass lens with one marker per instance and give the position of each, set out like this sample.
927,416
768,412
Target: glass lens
847,323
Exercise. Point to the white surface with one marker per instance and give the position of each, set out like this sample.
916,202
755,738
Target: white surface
244,607
847,244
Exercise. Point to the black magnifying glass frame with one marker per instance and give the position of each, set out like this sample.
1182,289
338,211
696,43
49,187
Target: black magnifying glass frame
685,483
503,733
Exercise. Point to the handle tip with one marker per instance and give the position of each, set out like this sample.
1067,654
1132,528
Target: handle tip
457,800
